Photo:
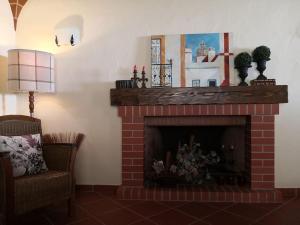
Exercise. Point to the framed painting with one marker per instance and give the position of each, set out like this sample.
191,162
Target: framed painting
185,60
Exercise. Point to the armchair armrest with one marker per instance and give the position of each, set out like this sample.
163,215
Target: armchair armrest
5,166
60,156
4,154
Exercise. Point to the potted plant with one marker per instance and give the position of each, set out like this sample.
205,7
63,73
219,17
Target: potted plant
242,62
261,55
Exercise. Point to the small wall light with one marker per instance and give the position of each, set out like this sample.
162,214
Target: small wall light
67,36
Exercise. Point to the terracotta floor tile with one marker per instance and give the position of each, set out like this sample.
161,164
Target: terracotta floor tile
148,208
84,188
32,219
84,198
288,214
219,205
144,222
127,203
201,223
120,217
224,218
198,210
88,222
280,218
59,216
109,191
269,206
248,210
173,204
101,206
172,217
111,211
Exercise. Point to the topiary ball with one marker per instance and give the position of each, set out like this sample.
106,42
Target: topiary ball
261,53
242,60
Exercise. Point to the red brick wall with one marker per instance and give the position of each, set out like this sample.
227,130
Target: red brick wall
262,152
261,143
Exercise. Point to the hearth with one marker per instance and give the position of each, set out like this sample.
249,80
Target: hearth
233,129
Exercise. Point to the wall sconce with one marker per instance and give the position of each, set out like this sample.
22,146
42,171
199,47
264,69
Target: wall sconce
67,36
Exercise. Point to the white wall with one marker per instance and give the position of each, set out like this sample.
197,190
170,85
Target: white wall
115,37
7,37
7,41
173,52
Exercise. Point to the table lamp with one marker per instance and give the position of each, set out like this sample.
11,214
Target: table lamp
30,71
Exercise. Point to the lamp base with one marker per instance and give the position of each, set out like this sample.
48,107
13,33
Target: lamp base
31,103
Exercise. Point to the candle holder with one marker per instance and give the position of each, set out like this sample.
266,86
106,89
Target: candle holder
135,79
144,80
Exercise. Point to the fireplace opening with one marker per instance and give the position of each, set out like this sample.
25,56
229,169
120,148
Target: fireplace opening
196,151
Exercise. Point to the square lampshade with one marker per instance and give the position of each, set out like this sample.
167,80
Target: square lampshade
30,70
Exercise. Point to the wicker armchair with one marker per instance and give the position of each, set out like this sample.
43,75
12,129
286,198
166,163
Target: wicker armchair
23,194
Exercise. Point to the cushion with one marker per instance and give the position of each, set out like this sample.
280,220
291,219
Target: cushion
25,154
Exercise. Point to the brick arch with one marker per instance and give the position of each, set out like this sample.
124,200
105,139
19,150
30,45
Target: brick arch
16,7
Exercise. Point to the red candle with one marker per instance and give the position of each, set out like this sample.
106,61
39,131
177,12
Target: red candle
134,68
144,69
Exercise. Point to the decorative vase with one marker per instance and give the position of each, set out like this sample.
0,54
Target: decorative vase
261,67
243,73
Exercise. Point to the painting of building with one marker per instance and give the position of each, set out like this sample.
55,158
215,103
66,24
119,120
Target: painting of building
204,57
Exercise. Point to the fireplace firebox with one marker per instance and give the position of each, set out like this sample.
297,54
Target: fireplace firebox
200,151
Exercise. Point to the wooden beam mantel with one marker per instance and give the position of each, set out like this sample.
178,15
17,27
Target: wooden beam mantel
200,95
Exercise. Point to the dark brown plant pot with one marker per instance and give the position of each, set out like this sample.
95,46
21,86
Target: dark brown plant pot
261,67
243,73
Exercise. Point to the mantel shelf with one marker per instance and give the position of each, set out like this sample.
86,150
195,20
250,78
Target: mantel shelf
200,95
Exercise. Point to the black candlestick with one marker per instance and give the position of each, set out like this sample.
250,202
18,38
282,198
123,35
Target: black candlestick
144,79
135,78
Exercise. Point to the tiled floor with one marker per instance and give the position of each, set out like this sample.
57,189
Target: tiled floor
102,208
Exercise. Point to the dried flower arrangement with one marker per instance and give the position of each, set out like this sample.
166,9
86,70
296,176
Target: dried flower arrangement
192,164
63,138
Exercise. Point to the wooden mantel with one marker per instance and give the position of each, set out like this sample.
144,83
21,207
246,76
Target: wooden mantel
200,95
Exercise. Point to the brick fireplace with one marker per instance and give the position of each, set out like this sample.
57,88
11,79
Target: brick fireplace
255,105
261,119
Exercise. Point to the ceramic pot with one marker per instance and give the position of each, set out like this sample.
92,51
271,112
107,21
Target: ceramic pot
261,67
243,74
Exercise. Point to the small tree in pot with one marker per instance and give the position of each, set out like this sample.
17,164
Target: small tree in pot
242,62
261,55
